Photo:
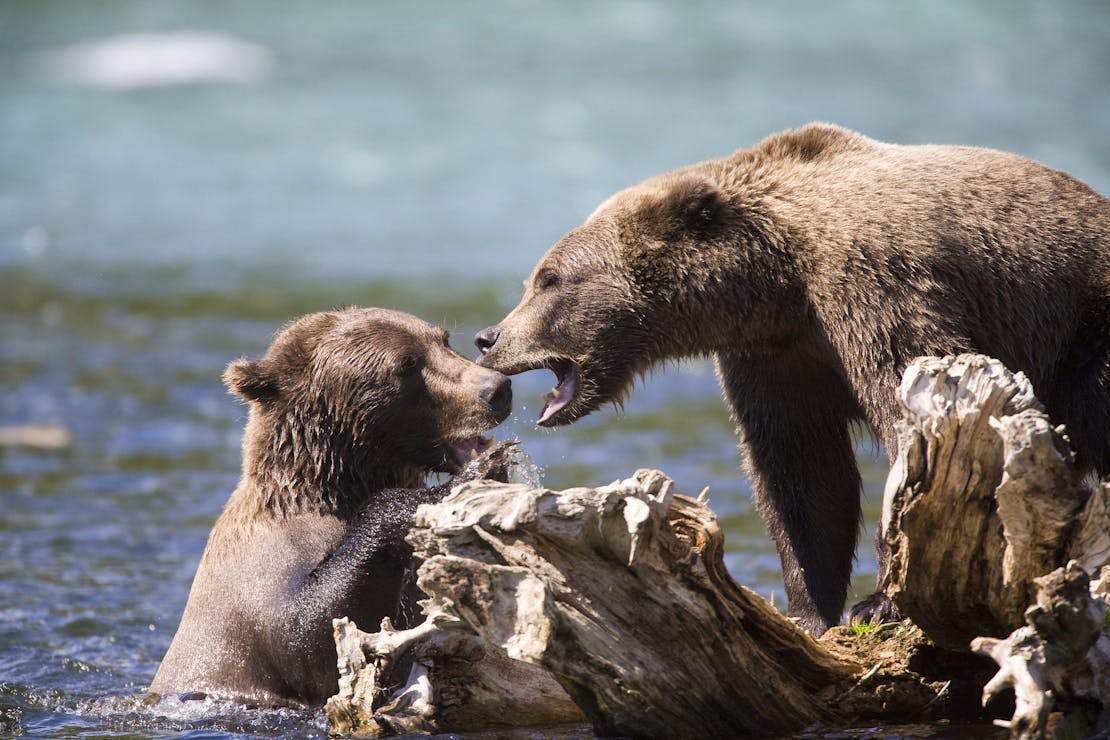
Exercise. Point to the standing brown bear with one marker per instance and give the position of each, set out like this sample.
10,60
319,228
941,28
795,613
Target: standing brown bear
814,268
349,412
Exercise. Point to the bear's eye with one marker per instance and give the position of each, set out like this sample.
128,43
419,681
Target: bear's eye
409,364
549,279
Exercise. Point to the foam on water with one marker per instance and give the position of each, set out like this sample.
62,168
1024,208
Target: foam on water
203,716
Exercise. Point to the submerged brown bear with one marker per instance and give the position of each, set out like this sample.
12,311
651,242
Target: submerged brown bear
814,268
349,412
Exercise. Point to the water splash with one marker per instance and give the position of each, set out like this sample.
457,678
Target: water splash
522,469
518,464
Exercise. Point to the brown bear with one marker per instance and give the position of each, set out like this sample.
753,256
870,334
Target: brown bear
349,412
814,268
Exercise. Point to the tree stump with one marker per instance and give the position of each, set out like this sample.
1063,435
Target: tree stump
982,510
592,585
981,500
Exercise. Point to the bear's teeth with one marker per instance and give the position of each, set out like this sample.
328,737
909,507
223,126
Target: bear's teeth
563,393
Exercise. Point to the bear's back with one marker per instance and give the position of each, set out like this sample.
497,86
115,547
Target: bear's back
930,249
850,200
863,175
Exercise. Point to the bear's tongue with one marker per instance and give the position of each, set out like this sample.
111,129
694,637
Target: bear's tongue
564,391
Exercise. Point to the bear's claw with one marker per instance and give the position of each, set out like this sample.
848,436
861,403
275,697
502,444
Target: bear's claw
875,609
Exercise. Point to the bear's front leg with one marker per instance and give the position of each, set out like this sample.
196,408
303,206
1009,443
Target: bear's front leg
792,415
492,464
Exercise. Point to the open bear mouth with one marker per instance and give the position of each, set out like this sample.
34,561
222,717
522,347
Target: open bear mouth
568,381
462,451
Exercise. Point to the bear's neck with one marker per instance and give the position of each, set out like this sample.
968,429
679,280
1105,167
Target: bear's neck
301,466
741,293
719,314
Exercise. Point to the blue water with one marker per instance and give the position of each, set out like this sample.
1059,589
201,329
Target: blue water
166,212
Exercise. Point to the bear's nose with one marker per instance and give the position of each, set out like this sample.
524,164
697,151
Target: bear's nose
497,393
486,338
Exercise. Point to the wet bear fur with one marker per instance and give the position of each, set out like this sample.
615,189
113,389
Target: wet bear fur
349,412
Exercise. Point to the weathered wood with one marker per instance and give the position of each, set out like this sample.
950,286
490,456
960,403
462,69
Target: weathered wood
619,594
981,500
593,585
454,682
1061,654
1090,545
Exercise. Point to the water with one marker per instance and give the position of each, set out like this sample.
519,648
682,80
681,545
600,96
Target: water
413,155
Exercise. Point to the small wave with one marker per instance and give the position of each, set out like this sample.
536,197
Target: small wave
140,60
171,713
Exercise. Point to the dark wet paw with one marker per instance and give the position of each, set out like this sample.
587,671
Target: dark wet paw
493,464
813,624
875,609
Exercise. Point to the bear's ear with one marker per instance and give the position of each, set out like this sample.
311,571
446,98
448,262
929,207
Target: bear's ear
698,202
690,205
252,380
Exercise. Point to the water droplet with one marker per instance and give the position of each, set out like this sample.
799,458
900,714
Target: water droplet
522,469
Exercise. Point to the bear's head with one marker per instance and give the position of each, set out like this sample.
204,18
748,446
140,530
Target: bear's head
675,266
364,397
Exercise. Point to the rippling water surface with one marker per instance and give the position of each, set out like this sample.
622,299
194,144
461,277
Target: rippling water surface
178,180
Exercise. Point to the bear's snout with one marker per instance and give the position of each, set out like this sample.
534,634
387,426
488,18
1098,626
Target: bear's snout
486,338
497,393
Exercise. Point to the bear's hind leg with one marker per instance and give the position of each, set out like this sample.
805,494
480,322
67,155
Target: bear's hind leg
877,607
792,415
1077,392
1086,407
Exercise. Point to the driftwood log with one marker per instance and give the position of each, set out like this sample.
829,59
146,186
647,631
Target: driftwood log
613,603
620,594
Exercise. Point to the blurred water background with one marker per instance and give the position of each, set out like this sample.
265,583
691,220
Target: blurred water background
179,179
